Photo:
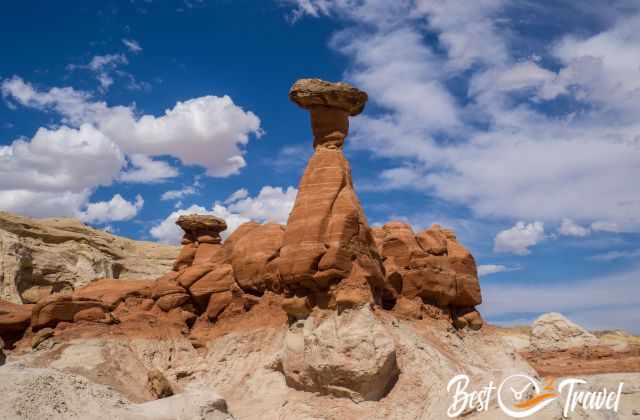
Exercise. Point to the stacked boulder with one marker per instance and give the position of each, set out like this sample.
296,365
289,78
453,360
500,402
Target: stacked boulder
200,272
219,277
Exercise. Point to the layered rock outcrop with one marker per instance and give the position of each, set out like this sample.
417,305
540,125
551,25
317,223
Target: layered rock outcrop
45,256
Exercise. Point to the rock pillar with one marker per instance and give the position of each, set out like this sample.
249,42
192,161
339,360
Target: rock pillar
327,239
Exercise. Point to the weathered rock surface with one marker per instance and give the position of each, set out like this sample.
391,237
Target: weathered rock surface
14,317
433,266
553,332
194,403
158,385
43,393
249,249
348,355
327,228
309,93
201,228
42,256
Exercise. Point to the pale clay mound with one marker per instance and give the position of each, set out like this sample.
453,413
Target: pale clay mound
554,332
44,393
252,368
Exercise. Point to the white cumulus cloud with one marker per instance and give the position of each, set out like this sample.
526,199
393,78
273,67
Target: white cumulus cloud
519,238
145,169
115,210
570,228
97,144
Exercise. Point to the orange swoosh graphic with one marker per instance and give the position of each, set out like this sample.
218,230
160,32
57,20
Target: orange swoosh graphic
536,400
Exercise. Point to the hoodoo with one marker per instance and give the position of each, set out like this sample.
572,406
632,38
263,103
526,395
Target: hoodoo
327,244
326,256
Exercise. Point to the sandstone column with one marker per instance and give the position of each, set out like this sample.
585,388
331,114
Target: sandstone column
327,235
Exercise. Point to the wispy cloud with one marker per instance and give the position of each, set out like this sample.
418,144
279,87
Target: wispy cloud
488,269
575,162
178,194
103,67
132,45
616,255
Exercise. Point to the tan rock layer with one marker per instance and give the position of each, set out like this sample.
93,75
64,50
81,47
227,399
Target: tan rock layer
39,257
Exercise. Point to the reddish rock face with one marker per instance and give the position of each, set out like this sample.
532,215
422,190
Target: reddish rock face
327,226
249,249
60,308
113,291
14,318
431,265
218,280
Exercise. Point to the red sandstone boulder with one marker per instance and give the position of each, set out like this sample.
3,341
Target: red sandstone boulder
60,307
186,256
217,304
297,307
431,265
432,241
194,273
220,279
399,243
113,291
172,301
167,285
249,249
208,253
92,314
14,318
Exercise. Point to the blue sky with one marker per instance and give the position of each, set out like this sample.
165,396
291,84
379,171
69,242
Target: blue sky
514,122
